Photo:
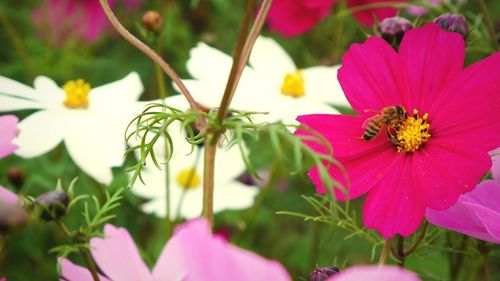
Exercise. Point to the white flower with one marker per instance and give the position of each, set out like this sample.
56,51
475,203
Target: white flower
186,177
271,83
91,122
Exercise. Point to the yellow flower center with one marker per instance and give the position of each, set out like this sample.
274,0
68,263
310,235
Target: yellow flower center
293,84
188,178
411,134
77,94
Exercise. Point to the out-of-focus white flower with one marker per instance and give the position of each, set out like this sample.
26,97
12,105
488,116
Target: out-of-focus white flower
186,176
91,122
271,83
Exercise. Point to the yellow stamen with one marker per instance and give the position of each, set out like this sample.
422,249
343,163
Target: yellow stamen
188,178
77,94
293,84
413,133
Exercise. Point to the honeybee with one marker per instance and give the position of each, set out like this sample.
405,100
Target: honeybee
389,117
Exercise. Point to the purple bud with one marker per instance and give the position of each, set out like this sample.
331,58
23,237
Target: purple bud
323,273
53,204
393,29
453,23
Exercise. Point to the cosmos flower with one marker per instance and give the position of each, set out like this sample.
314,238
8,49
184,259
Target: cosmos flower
8,127
476,213
375,273
186,177
434,154
8,197
192,254
293,17
91,122
271,79
495,168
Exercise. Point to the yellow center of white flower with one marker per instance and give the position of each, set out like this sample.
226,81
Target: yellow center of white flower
188,178
77,94
411,134
293,84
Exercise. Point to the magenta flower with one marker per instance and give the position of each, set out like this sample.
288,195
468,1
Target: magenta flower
8,127
293,17
375,273
434,154
192,254
60,20
476,213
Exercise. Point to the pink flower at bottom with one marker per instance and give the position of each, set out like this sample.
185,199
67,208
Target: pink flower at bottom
8,129
476,213
8,197
428,158
375,273
192,254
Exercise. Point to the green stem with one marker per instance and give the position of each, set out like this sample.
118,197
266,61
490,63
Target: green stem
84,252
386,251
208,178
489,23
486,268
419,239
149,52
401,251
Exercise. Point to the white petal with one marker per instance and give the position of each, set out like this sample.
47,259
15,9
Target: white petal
206,92
125,90
207,63
94,145
39,133
48,92
13,88
269,58
321,84
9,103
234,195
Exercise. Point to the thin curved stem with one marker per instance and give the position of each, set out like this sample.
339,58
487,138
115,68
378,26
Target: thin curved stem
386,251
149,52
419,239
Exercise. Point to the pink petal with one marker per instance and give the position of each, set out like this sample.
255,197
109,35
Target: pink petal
73,272
293,17
468,109
8,197
372,77
8,127
395,205
117,256
432,58
444,171
369,16
194,254
375,273
486,194
491,222
495,168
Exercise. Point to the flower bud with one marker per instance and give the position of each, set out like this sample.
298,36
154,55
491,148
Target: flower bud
16,177
12,217
152,21
393,29
453,23
323,273
53,204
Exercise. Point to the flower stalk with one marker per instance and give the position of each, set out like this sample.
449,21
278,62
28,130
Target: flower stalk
489,23
386,251
208,179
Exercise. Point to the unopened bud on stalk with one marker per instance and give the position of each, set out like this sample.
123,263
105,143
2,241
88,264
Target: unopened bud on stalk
16,177
12,217
393,29
152,21
323,273
53,204
453,23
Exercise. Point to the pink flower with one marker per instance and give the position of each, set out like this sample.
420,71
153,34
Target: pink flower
422,11
8,197
8,127
192,254
428,159
476,213
293,17
375,273
495,169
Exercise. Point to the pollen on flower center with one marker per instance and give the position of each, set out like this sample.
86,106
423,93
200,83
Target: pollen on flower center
77,94
293,84
411,134
188,178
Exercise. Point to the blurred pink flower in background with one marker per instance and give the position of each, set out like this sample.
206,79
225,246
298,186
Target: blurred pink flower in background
375,273
8,197
476,213
293,17
422,11
438,152
192,254
82,20
8,127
